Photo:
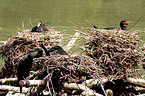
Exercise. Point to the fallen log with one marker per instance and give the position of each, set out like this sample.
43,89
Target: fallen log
11,93
137,81
141,95
5,80
140,89
94,82
86,91
90,93
13,88
31,82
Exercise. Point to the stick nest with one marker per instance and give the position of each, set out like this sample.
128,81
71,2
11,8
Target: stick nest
108,53
117,53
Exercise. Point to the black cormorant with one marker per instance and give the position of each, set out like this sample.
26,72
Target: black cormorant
123,26
55,49
25,64
39,28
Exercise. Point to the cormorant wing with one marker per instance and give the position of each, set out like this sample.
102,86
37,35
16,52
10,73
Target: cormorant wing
58,49
34,29
46,52
43,27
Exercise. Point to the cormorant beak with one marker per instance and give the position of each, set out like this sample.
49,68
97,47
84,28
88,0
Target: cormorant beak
38,23
125,23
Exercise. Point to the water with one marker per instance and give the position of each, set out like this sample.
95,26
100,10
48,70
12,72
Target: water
103,13
55,13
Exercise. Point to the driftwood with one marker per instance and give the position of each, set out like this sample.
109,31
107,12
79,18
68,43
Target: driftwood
85,86
90,93
32,82
86,91
137,81
94,82
11,93
5,80
13,88
23,82
141,95
140,89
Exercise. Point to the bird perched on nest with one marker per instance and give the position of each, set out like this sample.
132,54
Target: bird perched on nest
54,50
25,65
39,28
123,26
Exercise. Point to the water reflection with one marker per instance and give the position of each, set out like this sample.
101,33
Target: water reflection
103,13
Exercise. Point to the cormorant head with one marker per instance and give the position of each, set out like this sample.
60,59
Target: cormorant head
123,24
38,23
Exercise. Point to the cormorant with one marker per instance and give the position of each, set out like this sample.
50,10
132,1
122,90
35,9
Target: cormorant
55,49
123,26
39,28
25,64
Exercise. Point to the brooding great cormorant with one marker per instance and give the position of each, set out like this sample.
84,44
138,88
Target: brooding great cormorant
123,26
55,49
25,65
39,28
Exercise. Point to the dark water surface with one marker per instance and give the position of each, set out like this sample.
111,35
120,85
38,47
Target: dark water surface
103,13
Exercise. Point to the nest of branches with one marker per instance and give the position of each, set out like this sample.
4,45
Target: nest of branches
117,53
57,70
23,43
111,58
54,70
12,52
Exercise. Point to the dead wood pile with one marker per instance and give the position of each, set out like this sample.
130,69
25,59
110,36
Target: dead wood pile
111,58
117,53
24,42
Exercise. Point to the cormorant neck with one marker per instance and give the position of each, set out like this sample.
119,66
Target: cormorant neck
123,27
47,53
38,25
